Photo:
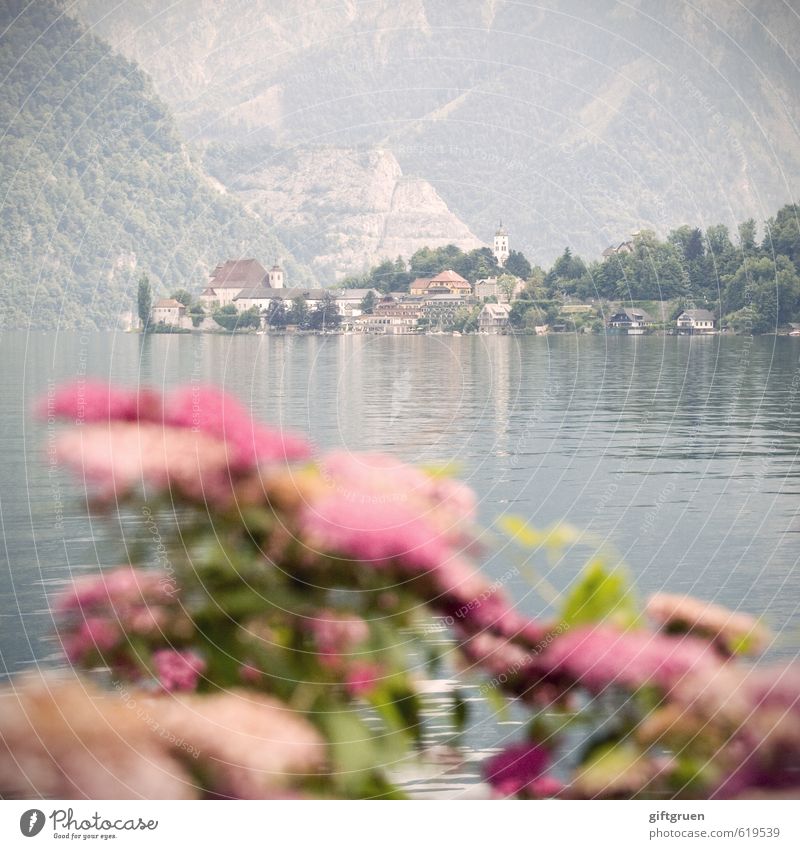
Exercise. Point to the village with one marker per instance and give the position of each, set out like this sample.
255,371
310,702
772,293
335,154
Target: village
243,295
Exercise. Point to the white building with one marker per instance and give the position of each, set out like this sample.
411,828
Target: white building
501,247
167,311
276,277
262,296
493,318
231,277
696,321
349,301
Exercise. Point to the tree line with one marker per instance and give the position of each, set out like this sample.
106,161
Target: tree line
751,284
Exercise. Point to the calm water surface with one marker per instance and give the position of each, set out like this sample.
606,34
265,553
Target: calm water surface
681,453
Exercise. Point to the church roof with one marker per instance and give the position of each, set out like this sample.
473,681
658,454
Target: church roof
238,272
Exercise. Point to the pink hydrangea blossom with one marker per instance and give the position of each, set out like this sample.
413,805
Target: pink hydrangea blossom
93,401
517,768
337,633
122,588
378,479
63,738
94,634
598,657
118,458
250,745
500,658
361,678
208,410
774,686
133,436
377,533
178,670
728,628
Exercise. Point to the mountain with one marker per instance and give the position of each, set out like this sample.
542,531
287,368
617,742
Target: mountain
337,207
575,122
96,185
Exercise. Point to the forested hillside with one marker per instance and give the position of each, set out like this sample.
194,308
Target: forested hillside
574,121
96,186
751,284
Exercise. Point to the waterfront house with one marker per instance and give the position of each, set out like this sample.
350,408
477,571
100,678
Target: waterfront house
696,321
167,311
632,320
229,278
493,318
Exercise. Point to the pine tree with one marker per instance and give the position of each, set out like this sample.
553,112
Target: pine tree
144,300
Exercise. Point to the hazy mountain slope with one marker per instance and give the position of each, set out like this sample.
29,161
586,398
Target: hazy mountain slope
340,207
575,121
95,184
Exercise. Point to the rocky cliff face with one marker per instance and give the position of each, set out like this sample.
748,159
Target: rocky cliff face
341,208
575,122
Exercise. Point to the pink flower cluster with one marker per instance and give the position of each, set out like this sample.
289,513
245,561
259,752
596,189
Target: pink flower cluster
337,637
178,670
726,628
600,656
98,612
196,440
377,510
337,633
520,770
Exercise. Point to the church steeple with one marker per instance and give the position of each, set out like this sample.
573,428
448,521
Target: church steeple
501,248
276,276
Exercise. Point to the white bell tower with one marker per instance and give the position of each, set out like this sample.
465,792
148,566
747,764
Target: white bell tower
501,249
276,277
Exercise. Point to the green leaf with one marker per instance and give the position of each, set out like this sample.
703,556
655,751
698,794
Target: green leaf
460,710
614,769
555,538
355,754
521,532
496,701
601,595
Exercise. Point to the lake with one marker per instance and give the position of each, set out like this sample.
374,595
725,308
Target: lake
679,453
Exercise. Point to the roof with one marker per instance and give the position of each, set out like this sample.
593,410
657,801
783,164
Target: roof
697,315
420,283
497,310
238,272
449,276
269,293
354,294
166,303
633,314
444,297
